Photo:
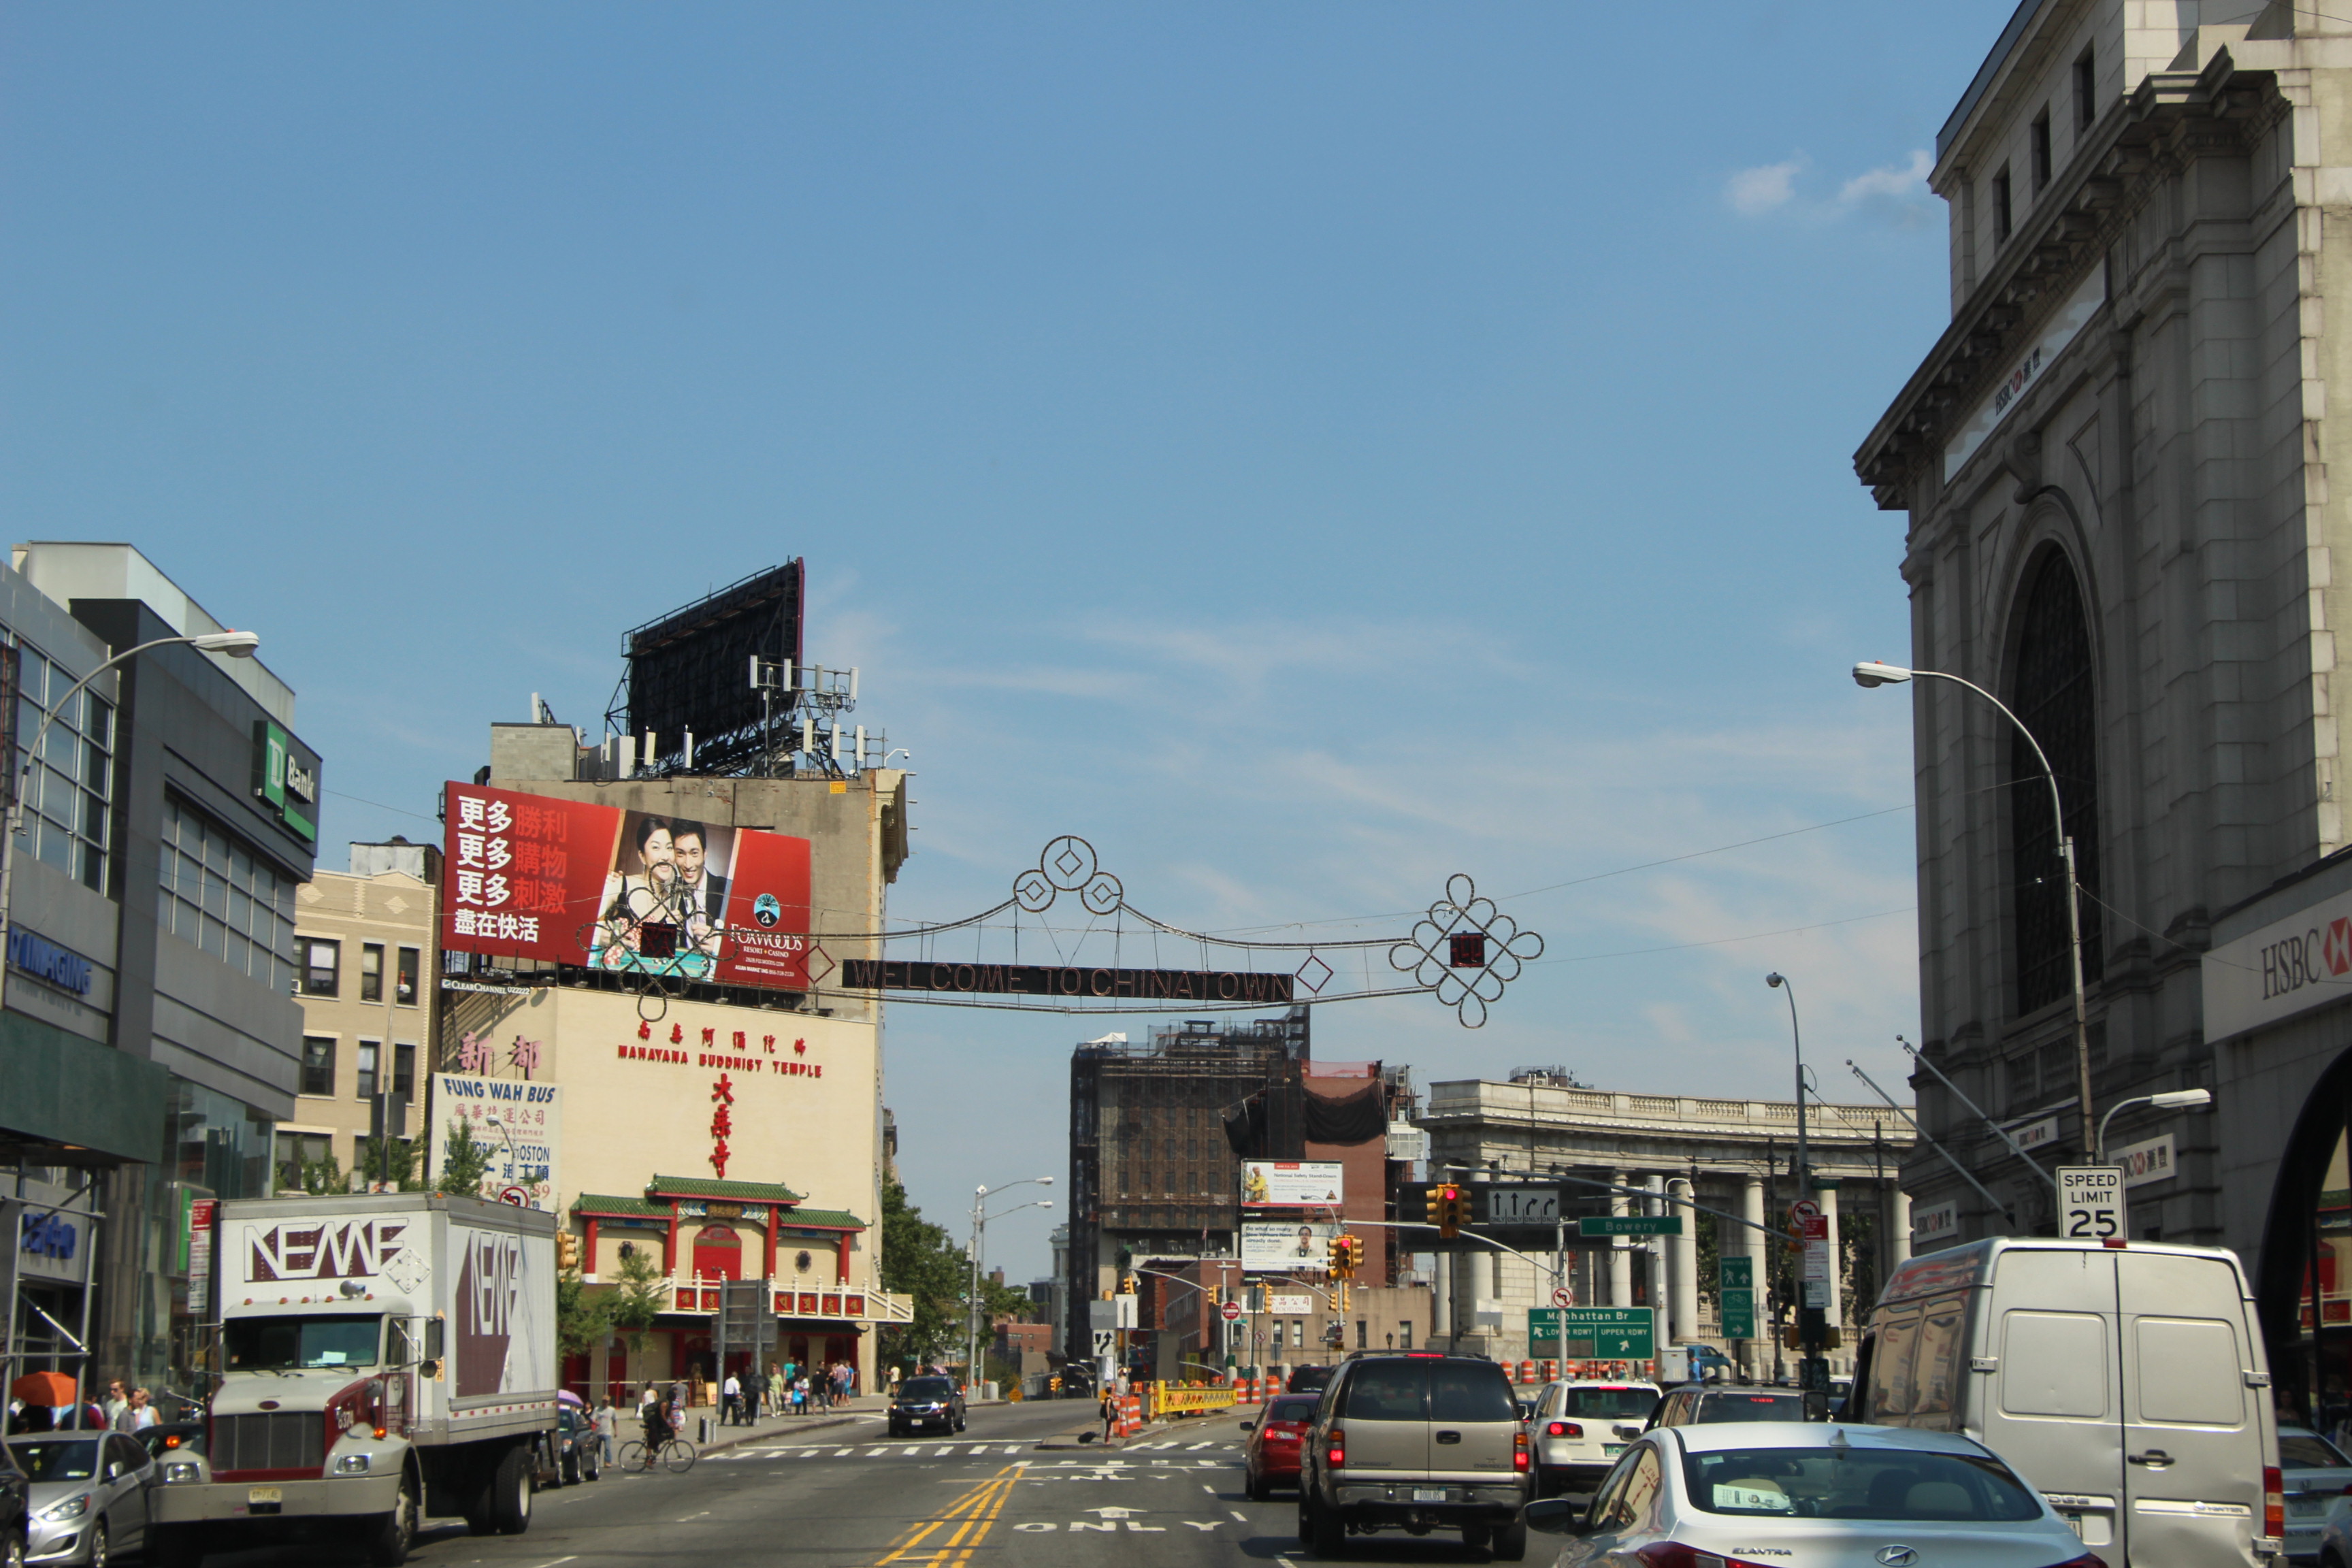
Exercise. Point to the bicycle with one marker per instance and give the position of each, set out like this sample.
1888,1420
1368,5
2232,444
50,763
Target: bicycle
675,1454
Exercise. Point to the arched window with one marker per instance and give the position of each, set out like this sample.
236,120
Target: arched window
2054,695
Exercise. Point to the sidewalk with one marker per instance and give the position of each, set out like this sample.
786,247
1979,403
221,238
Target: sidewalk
843,1414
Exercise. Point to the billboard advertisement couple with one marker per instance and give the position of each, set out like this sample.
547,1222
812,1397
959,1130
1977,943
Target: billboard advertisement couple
577,882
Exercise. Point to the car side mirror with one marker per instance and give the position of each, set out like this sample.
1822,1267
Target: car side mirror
1249,1425
1526,1411
1554,1516
428,1370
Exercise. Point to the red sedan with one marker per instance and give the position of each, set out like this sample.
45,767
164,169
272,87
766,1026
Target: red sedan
1271,1456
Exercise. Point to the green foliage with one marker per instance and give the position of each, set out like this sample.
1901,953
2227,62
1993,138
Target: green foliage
642,1295
1004,1302
582,1321
369,1163
1709,1247
463,1163
315,1177
1858,1239
923,1263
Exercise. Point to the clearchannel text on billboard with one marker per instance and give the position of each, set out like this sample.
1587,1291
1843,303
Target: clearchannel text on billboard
569,881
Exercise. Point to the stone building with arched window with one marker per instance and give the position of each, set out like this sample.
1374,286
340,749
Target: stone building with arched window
2115,466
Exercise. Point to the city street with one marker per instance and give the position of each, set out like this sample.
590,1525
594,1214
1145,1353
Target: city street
1167,1497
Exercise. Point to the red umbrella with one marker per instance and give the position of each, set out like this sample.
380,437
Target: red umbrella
52,1388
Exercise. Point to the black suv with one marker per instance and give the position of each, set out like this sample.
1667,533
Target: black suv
1695,1404
928,1401
1416,1441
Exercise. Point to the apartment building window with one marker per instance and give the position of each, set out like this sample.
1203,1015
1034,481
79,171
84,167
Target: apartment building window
219,895
404,1070
296,1150
2003,221
317,1065
372,972
2086,91
403,986
66,819
322,964
1363,1335
368,1052
1405,1334
2037,137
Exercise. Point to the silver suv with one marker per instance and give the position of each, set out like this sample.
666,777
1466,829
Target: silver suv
1416,1441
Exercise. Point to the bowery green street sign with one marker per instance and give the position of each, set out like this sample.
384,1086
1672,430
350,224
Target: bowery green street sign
1629,1225
1596,1334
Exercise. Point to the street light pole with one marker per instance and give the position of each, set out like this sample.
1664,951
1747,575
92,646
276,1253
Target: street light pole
235,644
972,1296
2176,1099
1871,673
1812,1322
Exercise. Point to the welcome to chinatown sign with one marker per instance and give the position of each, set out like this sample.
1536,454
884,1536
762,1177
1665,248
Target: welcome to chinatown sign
1244,986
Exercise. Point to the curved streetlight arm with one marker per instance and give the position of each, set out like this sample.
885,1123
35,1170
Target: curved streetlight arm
2173,1099
237,644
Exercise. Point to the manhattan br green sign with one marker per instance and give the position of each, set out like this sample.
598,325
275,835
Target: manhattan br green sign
1595,1333
1629,1225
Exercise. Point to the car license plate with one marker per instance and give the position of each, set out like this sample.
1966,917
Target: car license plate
1613,1449
264,1499
1429,1494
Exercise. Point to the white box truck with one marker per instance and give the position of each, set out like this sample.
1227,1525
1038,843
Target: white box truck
381,1357
2125,1380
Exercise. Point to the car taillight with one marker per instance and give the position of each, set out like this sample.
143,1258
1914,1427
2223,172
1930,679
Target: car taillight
1518,1450
1675,1554
2273,1502
1335,1448
1564,1429
2088,1560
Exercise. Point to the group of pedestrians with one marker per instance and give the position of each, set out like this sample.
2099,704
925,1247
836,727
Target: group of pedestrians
122,1410
786,1388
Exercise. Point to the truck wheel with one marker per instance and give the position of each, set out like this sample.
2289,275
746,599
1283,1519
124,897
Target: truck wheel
1476,1535
510,1491
389,1536
1511,1542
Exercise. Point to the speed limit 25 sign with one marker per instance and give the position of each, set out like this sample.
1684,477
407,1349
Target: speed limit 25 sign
2091,1203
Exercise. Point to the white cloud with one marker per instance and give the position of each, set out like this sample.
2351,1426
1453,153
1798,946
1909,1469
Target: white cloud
1909,180
1754,192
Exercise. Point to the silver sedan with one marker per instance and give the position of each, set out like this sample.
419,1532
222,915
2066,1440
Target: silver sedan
89,1494
1748,1494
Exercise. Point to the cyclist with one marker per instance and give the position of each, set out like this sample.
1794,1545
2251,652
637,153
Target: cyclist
657,1428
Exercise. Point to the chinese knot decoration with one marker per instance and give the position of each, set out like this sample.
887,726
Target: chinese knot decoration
723,1122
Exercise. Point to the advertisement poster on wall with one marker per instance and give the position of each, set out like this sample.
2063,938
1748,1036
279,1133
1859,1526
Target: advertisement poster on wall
1291,1183
1271,1247
570,881
522,1147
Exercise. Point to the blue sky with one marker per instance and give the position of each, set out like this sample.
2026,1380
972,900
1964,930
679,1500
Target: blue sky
1307,450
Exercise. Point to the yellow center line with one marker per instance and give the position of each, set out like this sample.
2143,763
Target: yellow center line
988,1496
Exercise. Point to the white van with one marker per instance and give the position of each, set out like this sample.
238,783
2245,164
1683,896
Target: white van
2128,1382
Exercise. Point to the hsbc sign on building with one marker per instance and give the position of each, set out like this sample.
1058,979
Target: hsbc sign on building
2281,970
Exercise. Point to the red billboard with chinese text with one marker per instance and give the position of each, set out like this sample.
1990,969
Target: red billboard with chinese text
569,881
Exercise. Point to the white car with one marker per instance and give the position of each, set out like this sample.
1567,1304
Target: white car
2316,1475
89,1496
1582,1425
1744,1494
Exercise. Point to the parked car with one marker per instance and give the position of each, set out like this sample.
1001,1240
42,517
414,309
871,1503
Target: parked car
1786,1491
1308,1380
2128,1381
579,1456
88,1495
1694,1403
178,1449
1416,1441
2317,1473
1270,1457
926,1402
15,1510
1582,1424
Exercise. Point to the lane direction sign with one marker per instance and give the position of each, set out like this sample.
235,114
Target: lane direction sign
1598,1334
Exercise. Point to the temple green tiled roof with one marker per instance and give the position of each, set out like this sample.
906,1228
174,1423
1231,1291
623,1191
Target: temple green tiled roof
597,1204
726,1191
820,1219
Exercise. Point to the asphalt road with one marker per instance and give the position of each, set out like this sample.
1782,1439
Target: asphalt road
848,1497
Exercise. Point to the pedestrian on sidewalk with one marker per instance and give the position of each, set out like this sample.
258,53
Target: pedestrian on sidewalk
755,1393
1109,1410
731,1401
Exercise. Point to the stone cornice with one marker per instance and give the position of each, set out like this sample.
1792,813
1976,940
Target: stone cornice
2172,119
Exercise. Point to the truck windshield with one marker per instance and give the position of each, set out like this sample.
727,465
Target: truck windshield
282,1344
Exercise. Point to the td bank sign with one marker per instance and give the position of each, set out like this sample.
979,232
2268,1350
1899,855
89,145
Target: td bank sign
2286,968
287,780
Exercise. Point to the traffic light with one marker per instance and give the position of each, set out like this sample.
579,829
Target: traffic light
1452,1210
567,1250
1353,1249
1434,1206
1127,1285
1342,1263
